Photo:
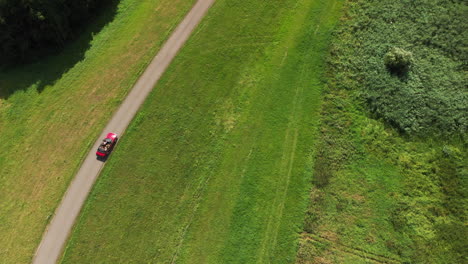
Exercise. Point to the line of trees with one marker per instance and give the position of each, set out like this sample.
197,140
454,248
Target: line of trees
29,25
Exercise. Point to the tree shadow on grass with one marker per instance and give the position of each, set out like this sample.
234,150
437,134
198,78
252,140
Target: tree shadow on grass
48,68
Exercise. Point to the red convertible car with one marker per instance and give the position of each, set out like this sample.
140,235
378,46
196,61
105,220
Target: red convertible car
107,145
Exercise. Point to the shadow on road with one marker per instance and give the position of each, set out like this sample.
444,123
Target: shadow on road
102,159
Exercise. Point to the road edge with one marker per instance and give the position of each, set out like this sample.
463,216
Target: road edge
46,251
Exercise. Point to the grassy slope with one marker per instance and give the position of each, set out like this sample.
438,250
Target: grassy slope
379,196
216,167
51,111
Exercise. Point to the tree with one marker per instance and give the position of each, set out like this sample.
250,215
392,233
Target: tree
398,60
32,25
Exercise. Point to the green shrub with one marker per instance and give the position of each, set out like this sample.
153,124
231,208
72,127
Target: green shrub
398,60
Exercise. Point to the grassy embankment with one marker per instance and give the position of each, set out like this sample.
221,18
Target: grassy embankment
51,111
391,174
216,167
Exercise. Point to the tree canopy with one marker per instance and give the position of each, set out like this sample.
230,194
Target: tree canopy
31,25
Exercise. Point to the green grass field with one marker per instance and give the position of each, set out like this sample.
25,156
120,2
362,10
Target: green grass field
216,167
52,110
394,191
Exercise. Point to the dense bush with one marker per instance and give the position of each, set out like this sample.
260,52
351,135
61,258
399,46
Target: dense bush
431,98
31,25
398,60
387,194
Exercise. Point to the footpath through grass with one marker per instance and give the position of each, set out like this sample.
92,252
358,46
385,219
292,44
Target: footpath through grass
381,194
51,111
216,167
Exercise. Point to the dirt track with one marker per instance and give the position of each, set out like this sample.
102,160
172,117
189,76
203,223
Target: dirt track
57,232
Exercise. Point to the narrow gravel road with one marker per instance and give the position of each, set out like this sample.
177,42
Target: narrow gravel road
56,234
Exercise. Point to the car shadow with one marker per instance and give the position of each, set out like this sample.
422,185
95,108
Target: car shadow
102,159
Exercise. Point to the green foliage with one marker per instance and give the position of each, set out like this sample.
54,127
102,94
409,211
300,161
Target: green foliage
431,98
391,196
398,60
30,25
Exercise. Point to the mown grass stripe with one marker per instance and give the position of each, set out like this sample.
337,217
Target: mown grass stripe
223,145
